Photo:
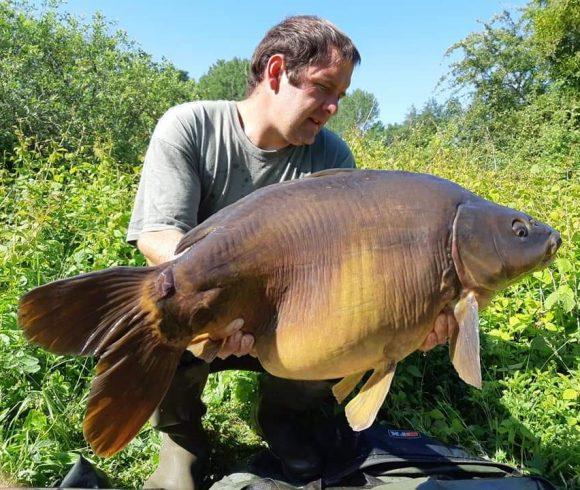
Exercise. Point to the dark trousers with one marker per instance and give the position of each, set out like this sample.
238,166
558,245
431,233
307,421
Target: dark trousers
287,412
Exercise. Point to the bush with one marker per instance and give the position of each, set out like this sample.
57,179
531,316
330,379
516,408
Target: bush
79,85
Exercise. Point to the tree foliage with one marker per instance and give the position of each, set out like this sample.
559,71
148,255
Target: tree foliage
423,123
497,65
555,26
358,111
517,100
225,80
78,84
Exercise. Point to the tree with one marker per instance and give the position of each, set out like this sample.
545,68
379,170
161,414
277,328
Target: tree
225,80
79,84
357,111
555,26
498,65
422,124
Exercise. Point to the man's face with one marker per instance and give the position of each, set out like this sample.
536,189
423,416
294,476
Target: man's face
301,111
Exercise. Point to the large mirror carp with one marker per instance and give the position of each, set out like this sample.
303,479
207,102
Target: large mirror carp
335,275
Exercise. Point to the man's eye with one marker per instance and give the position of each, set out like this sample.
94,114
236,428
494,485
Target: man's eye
322,88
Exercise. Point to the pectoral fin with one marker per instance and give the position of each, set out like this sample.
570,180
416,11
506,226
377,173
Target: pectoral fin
464,344
362,410
345,386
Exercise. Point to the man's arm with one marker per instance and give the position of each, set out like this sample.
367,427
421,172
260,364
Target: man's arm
159,247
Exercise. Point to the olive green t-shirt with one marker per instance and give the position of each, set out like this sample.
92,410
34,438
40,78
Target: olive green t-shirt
200,160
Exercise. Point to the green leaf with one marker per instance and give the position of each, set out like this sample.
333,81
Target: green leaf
437,414
543,276
29,364
551,300
566,297
550,326
414,371
35,420
563,295
564,265
570,394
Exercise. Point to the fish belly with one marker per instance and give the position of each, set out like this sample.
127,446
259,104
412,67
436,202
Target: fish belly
337,321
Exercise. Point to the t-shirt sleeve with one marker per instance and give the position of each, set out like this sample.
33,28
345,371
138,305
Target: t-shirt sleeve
169,191
344,157
335,153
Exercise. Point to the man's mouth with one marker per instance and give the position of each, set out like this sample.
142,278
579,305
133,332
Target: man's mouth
318,122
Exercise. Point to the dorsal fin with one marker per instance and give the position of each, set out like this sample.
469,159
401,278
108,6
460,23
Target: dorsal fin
332,171
192,237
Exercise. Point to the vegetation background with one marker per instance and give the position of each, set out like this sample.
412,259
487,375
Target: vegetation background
77,105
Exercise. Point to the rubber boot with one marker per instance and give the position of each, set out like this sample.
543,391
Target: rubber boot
184,447
287,413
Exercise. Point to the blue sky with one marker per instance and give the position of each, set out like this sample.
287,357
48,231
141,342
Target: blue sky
402,42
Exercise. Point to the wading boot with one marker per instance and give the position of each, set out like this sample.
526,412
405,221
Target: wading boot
288,415
184,447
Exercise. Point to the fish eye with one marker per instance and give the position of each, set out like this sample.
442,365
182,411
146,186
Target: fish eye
519,229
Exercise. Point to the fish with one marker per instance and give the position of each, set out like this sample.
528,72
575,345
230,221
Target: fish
336,275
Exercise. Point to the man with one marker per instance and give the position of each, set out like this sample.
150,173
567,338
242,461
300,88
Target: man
206,155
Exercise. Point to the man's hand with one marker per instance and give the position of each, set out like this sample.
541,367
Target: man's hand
230,341
237,343
445,326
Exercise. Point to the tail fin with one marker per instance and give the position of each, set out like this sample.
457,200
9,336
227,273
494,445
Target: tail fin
112,314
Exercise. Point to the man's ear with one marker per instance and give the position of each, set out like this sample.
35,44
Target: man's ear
274,70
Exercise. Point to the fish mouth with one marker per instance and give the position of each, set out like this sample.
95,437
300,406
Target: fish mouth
553,245
555,242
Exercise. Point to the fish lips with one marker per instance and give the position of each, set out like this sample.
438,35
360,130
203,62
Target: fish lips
554,244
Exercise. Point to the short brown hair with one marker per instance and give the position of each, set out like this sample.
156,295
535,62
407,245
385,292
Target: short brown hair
303,40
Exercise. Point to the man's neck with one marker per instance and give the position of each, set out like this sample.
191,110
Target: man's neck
254,120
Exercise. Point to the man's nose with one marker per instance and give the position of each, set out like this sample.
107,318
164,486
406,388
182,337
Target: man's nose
331,106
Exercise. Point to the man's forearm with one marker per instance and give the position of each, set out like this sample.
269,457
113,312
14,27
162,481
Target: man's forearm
159,246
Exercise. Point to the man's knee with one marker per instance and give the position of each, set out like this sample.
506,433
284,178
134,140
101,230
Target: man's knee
295,395
288,413
182,403
184,447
